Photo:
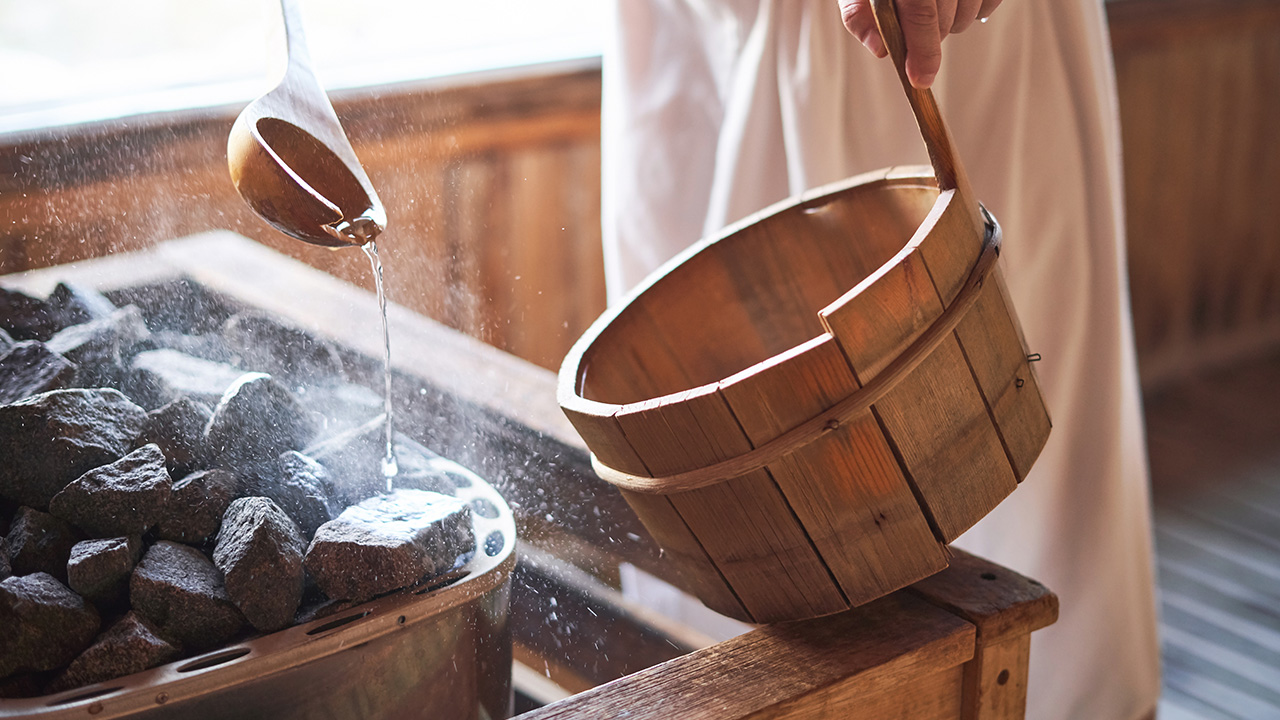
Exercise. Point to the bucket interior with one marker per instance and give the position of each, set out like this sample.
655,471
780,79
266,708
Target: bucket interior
753,293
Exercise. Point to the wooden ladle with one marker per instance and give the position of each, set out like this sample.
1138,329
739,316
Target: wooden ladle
291,161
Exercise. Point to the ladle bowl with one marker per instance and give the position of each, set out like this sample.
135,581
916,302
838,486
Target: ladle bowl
293,164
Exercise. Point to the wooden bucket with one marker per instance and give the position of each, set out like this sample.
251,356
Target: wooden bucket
800,447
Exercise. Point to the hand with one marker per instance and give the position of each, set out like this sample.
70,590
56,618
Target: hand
924,25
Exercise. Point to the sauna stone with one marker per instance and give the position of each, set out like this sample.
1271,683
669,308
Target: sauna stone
43,624
420,469
40,542
266,344
179,305
303,490
50,439
29,368
75,304
196,506
130,645
353,459
388,542
178,430
158,377
205,346
99,569
26,317
126,497
257,419
180,591
343,405
23,685
259,552
100,347
322,608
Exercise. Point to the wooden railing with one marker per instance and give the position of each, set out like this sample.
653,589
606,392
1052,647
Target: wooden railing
492,187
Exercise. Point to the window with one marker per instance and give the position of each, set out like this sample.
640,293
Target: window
68,61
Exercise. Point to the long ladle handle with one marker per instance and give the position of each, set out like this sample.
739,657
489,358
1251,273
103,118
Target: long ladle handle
295,39
937,139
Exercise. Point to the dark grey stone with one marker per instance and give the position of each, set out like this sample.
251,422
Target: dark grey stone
322,608
52,438
40,542
342,406
126,497
196,506
99,569
158,377
180,304
130,645
178,590
43,624
75,304
303,490
178,429
259,552
100,347
23,685
26,317
209,346
267,345
257,419
30,368
389,542
354,461
6,341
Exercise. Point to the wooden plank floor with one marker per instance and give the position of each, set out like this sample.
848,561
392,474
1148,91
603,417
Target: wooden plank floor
1215,463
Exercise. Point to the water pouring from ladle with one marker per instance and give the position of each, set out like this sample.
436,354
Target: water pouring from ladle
291,161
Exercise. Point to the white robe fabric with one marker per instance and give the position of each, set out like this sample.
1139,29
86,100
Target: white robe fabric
717,108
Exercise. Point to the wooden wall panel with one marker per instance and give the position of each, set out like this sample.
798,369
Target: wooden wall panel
1199,85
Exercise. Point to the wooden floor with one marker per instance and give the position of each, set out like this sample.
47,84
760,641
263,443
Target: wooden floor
1215,461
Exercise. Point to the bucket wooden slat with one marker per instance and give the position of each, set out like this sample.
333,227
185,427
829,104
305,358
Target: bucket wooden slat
678,542
599,429
997,353
939,422
759,295
746,525
596,423
887,544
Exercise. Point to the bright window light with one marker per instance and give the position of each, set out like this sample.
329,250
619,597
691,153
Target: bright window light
80,60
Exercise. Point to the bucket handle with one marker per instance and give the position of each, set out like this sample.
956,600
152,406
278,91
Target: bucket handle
947,167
